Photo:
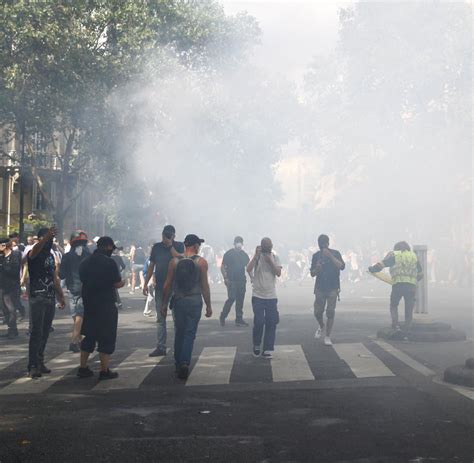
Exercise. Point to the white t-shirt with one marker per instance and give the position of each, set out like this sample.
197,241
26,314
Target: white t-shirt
264,280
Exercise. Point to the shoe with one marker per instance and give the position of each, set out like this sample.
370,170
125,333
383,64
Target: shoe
84,372
222,320
183,371
318,333
267,354
148,314
44,369
34,373
158,352
241,323
109,374
256,351
73,347
327,341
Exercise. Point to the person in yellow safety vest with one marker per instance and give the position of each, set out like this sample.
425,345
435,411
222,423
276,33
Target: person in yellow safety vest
405,271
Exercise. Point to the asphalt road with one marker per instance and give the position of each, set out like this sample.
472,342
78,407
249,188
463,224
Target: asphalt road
360,401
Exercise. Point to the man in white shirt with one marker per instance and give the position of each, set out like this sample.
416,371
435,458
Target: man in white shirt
263,269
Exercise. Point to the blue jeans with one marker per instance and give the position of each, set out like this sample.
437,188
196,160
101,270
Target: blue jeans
160,320
187,313
266,318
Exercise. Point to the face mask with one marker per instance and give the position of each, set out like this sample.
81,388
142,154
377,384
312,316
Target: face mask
266,250
238,245
79,250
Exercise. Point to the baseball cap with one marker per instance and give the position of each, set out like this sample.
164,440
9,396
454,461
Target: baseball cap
78,235
192,240
105,241
238,239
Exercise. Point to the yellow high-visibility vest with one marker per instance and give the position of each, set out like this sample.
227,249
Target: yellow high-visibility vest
405,269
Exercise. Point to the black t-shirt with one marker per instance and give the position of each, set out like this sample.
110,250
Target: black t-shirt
161,257
41,270
98,274
328,279
235,262
10,271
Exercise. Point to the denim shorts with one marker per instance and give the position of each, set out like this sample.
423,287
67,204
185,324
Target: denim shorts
76,306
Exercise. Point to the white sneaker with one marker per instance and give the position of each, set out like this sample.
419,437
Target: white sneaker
327,341
318,333
267,354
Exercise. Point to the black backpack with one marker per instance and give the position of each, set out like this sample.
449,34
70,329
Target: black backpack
186,274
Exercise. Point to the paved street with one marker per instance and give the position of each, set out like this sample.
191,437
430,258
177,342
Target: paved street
362,400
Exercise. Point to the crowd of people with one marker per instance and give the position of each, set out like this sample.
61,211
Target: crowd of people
173,276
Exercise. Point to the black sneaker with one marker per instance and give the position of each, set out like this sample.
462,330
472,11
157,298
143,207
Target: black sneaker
256,351
158,352
109,374
34,373
183,371
222,320
241,323
84,372
44,369
73,347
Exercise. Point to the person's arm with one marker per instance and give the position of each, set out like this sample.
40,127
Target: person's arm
253,262
316,266
149,276
116,277
224,270
274,266
167,287
206,290
38,247
339,263
11,268
64,267
388,261
59,290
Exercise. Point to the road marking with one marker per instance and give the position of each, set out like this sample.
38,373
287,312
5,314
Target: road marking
463,390
60,366
289,364
214,366
420,368
132,371
9,359
362,362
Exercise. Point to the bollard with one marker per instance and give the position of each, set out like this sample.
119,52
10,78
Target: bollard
421,252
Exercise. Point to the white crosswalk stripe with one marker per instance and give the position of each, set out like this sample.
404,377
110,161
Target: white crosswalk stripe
214,366
289,364
132,371
60,366
362,362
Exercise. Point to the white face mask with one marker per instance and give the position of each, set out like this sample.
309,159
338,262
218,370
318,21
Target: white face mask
238,245
79,250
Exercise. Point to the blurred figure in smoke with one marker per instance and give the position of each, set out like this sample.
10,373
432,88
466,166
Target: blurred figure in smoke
405,271
118,259
147,311
326,266
161,255
69,271
137,262
263,269
233,270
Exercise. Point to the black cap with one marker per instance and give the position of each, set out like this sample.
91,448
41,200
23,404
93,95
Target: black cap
238,239
105,241
192,240
4,240
169,230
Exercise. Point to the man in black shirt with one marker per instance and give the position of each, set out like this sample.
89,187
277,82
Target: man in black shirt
45,287
234,263
326,266
10,263
160,258
100,278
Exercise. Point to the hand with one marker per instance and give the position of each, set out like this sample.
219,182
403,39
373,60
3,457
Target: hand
373,269
164,311
209,312
258,250
145,291
173,251
268,257
61,303
51,233
326,252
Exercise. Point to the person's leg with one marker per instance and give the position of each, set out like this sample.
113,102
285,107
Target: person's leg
134,280
231,294
76,330
150,299
395,297
10,306
49,312
179,316
16,297
193,313
142,279
331,310
239,300
37,313
84,357
319,306
258,306
272,319
104,361
410,300
161,331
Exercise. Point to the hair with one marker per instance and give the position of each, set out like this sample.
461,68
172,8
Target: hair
14,235
42,232
402,246
323,239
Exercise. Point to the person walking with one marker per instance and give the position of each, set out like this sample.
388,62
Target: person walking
405,271
263,269
161,255
150,300
187,282
233,268
326,266
69,271
100,278
45,288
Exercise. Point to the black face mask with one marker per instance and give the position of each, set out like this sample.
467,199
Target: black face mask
106,252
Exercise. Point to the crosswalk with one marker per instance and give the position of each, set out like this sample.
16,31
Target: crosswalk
212,366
